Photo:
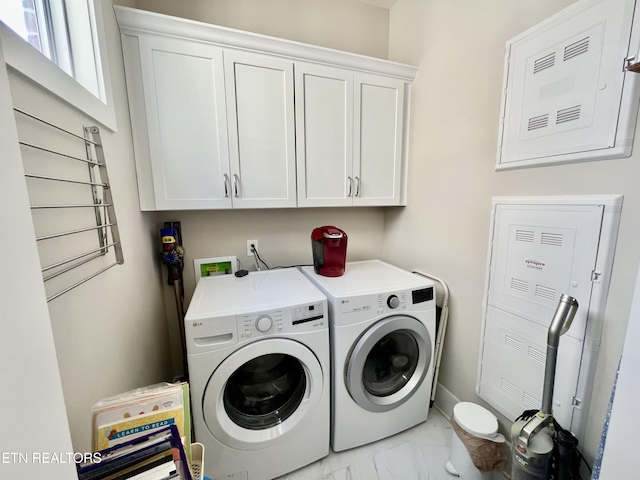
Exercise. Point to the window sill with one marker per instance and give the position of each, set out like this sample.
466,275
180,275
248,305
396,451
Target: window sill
28,61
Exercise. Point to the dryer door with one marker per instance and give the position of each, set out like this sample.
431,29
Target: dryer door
388,363
262,393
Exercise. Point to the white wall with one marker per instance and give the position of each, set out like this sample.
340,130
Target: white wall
341,24
459,48
110,333
33,416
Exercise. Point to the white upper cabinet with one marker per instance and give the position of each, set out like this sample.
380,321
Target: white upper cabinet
378,130
349,137
229,119
260,113
324,117
177,101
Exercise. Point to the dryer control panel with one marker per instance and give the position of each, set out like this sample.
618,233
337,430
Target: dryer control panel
302,318
363,307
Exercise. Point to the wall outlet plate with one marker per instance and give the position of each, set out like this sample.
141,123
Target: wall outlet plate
249,243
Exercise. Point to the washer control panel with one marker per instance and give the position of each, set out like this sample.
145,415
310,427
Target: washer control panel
394,301
302,318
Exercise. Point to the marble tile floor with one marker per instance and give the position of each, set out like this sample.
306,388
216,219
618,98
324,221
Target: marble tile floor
419,453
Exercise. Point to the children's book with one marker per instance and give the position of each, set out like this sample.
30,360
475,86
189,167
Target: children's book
124,417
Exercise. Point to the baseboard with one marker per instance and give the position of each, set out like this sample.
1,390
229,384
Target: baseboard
445,401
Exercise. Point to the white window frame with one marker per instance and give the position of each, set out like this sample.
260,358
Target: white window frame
27,60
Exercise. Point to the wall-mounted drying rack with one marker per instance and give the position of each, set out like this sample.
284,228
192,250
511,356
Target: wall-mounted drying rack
71,203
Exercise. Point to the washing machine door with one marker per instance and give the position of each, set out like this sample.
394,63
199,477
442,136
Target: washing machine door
388,363
262,393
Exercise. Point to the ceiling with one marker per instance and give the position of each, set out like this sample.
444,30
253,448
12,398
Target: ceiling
380,3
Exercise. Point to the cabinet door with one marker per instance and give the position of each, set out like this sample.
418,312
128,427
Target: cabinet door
183,88
324,127
378,140
261,130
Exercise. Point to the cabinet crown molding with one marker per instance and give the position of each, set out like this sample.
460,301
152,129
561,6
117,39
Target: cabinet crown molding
133,20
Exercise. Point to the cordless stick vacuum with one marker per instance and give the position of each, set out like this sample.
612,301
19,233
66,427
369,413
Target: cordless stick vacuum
533,439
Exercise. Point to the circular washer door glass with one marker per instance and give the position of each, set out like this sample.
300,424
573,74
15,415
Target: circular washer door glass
390,363
265,391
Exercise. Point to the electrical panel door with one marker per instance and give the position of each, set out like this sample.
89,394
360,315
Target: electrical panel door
538,253
567,96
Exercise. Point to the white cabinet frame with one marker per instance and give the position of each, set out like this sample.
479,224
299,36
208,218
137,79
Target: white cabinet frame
371,150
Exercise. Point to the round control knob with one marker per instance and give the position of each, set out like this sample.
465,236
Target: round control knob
393,301
264,323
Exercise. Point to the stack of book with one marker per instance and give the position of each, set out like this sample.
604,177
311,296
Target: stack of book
124,417
154,456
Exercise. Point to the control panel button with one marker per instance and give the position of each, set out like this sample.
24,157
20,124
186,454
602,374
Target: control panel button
264,323
393,301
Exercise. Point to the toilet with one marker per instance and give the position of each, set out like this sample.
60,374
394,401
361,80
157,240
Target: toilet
479,423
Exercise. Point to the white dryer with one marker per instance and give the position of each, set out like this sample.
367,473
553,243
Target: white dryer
258,356
382,322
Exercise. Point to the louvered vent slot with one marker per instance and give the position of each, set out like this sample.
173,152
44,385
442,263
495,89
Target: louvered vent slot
545,62
575,49
530,401
521,285
512,342
524,236
554,239
537,355
508,387
567,115
545,292
540,121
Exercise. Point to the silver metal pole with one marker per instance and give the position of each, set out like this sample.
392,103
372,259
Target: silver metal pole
566,311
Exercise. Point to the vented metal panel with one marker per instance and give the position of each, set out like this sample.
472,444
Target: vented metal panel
530,401
508,387
546,292
538,254
509,341
551,239
536,355
513,366
524,236
545,62
538,122
568,114
564,86
521,285
576,48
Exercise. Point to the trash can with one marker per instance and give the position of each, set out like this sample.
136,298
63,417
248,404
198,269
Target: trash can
476,446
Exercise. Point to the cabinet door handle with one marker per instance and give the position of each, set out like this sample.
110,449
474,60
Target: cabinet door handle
236,181
226,185
357,186
350,186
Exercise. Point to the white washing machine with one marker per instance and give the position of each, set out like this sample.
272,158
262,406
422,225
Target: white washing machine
382,322
258,356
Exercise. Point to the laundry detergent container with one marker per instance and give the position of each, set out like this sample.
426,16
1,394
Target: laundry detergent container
478,451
